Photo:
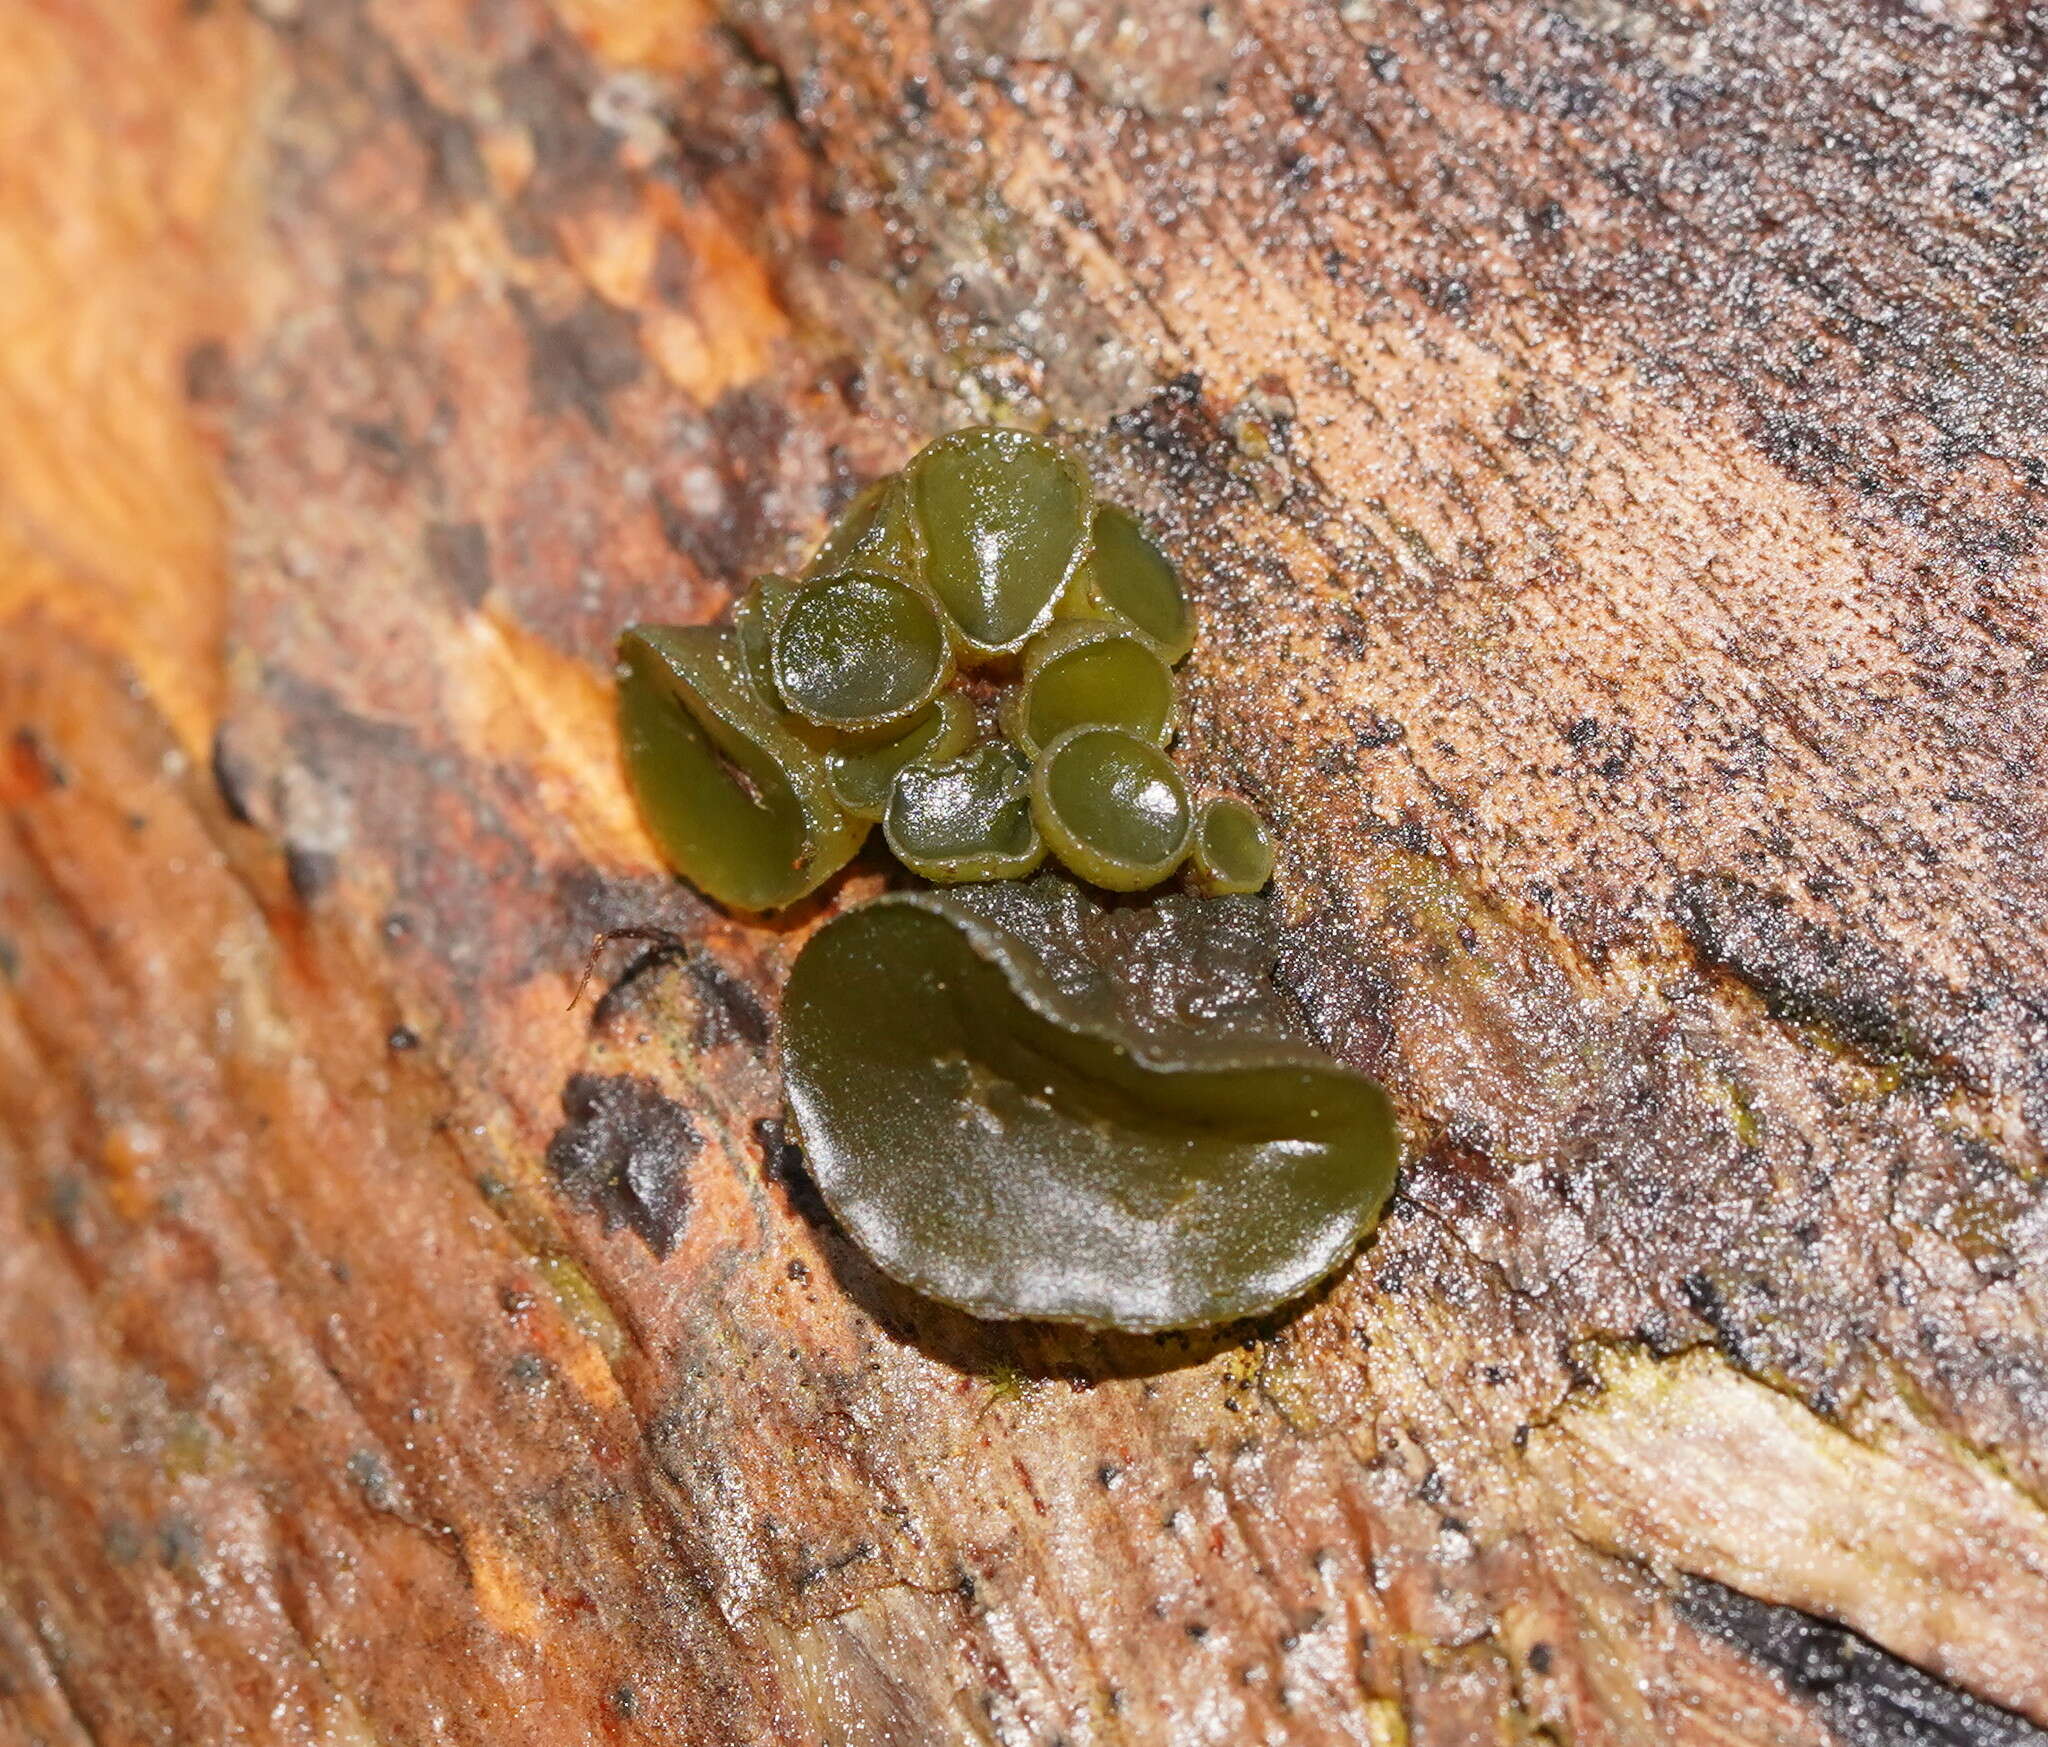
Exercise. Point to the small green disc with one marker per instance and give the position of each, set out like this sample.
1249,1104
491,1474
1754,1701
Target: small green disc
860,653
1233,850
967,819
1112,807
1082,674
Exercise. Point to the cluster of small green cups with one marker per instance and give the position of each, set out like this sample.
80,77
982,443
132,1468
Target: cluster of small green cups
979,659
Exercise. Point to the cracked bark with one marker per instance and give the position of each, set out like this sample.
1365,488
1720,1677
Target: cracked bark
1607,444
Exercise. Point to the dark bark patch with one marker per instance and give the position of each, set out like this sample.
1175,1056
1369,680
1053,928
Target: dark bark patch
35,768
233,780
1179,434
623,1152
1802,973
1865,1694
782,1160
459,553
732,1012
548,94
581,360
209,378
311,871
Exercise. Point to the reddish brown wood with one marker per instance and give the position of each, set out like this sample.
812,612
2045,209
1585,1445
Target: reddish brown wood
1607,443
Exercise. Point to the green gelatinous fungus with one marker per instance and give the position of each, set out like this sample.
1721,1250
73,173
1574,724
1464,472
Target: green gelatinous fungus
982,584
738,803
754,618
1078,674
1127,579
1003,517
859,653
1232,850
876,534
1011,1142
864,776
1112,807
969,818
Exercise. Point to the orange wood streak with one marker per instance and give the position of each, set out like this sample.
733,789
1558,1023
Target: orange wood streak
123,208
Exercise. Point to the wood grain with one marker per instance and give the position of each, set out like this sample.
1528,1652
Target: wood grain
1607,443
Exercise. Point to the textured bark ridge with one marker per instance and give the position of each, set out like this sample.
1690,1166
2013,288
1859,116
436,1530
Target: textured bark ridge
1606,441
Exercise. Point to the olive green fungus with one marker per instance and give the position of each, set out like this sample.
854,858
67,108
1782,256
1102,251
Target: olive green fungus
875,534
735,800
969,818
1113,806
1015,1098
1233,850
754,618
863,777
1004,1107
1090,674
1129,581
860,653
1004,517
979,658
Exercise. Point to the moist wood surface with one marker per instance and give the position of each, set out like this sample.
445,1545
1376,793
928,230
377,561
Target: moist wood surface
1606,441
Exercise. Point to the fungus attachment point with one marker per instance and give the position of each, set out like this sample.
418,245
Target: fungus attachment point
738,803
966,819
859,653
1081,674
1127,579
1003,517
1112,807
1233,850
1012,1145
864,777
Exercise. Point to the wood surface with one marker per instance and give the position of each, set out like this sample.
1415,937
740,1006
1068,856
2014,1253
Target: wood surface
1607,442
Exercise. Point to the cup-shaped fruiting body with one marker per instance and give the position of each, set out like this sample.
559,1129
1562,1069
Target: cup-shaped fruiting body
738,803
982,585
1112,807
1127,579
876,534
859,653
863,776
969,818
1003,518
1003,1144
1232,849
1079,674
753,623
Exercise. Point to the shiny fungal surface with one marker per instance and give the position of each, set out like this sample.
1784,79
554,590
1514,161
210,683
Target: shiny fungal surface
754,618
1232,849
1078,675
980,592
876,534
1127,578
739,805
1112,806
863,776
860,653
1012,1144
1005,519
969,818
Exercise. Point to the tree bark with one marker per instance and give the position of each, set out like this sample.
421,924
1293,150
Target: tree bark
1607,443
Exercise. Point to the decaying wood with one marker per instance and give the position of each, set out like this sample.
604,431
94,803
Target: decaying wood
1608,441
